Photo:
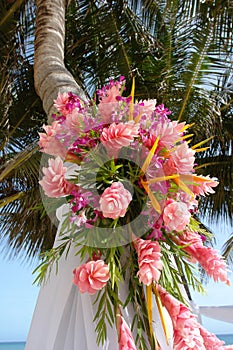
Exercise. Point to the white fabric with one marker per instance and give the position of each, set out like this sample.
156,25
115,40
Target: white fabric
221,313
63,318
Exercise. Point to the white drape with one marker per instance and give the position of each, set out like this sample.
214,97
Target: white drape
63,317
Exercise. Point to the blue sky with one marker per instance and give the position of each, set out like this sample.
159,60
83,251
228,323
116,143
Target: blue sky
18,297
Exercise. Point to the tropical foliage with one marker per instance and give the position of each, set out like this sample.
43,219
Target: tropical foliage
180,53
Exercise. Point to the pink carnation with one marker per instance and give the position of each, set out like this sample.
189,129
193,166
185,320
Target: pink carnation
49,142
91,277
115,200
126,341
181,161
53,182
186,328
176,216
119,135
149,261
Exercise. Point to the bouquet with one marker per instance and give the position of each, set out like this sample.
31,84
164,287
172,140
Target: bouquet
133,199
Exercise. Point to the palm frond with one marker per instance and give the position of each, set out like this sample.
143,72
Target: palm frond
228,250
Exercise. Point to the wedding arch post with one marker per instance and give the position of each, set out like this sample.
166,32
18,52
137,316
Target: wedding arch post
50,73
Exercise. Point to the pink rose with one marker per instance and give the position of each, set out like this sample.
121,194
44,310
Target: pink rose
176,216
49,143
181,161
119,135
54,183
91,277
115,200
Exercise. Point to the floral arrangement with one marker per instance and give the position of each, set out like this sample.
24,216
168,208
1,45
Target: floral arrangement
133,201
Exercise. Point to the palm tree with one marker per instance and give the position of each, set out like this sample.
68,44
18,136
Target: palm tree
179,51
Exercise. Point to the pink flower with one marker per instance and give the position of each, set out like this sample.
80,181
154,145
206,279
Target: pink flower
72,122
203,185
211,342
168,131
149,261
49,143
119,135
108,99
186,328
181,161
209,259
187,199
176,216
106,110
67,102
91,277
212,263
147,106
60,102
53,182
115,200
161,111
126,341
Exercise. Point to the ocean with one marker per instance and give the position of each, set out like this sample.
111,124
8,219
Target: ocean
228,338
12,346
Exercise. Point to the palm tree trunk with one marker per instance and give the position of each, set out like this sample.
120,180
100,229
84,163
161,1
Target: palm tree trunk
50,73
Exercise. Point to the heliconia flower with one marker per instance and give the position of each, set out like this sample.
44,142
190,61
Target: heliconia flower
186,328
211,342
115,200
176,216
181,161
54,182
67,102
49,141
126,341
201,187
208,258
119,135
149,260
91,277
